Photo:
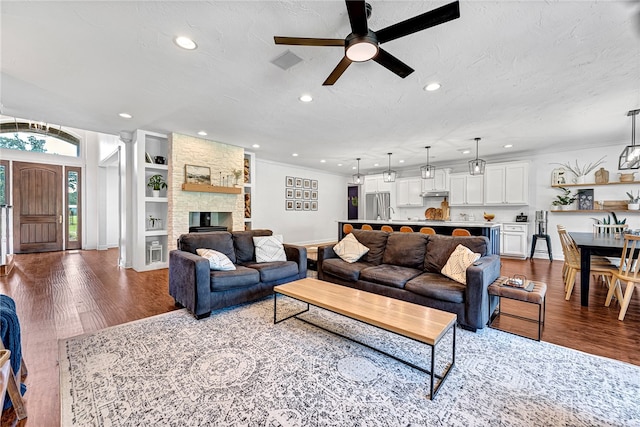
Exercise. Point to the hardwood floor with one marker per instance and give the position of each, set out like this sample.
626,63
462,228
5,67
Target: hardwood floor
62,294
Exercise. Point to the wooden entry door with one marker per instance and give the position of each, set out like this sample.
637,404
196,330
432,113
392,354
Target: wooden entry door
37,214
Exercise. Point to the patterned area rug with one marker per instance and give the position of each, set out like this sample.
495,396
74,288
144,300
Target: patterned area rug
237,368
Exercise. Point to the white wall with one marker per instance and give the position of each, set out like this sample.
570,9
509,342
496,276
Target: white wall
300,227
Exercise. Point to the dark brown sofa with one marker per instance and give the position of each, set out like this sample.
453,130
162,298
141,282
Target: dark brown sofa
195,286
407,266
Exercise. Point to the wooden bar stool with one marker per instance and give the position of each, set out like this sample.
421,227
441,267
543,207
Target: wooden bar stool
427,230
460,232
366,227
387,228
347,228
406,229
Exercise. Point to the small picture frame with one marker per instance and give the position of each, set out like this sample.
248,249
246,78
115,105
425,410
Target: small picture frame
289,205
298,205
314,195
197,174
147,158
306,194
306,183
289,181
298,182
559,176
585,199
314,184
298,193
289,193
306,205
314,205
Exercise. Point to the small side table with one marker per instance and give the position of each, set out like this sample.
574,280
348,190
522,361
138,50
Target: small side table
155,253
535,296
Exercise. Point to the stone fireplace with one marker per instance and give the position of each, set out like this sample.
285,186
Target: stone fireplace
210,221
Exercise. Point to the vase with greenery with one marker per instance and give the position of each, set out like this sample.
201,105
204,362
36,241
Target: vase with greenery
563,201
157,183
634,201
237,173
581,171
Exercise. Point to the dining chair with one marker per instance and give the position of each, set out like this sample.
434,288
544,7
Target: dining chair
387,228
406,229
627,272
460,232
347,228
427,230
366,227
12,385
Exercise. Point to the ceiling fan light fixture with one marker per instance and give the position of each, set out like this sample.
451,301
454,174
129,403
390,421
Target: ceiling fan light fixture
358,178
428,171
361,48
389,175
476,166
630,156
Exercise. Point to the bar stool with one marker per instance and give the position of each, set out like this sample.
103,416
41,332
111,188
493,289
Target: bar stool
534,240
366,227
347,228
427,230
387,228
460,232
406,229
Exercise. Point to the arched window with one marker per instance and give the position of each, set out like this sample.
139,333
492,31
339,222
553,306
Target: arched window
38,137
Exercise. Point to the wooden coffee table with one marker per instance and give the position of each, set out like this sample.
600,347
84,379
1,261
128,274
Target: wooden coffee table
423,324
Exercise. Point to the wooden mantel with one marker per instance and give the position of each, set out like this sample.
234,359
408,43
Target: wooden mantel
205,188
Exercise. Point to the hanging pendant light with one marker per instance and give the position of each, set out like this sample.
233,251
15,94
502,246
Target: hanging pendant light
630,157
476,166
428,171
358,178
389,175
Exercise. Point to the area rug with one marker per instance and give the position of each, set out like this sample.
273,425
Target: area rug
237,368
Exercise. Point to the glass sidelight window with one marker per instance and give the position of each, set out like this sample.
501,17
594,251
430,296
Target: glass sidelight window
4,182
73,205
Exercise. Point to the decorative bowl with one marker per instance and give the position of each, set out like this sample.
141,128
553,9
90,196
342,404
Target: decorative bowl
627,177
488,216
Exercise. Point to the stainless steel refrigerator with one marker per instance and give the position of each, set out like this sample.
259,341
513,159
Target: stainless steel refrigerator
378,206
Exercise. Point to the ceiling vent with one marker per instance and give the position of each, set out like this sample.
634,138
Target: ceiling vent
287,60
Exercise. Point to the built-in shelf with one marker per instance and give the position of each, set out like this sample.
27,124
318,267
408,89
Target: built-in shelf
156,166
204,188
155,233
589,184
156,199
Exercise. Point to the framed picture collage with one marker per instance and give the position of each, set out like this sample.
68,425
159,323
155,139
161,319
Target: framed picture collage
301,194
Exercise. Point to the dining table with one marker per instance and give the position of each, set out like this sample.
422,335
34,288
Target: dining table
594,244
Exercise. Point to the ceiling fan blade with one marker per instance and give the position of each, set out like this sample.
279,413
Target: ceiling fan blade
392,63
357,16
304,41
421,22
337,72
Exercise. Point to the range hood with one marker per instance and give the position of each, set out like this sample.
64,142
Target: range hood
435,194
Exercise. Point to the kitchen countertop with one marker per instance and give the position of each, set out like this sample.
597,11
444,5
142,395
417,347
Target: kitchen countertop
424,222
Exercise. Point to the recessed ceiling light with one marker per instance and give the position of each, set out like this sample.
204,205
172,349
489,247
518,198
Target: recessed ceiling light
376,164
508,145
306,98
432,86
295,154
256,145
202,133
400,161
125,115
466,151
323,161
339,164
185,43
353,167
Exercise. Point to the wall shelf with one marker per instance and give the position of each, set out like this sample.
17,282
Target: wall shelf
590,184
204,188
603,211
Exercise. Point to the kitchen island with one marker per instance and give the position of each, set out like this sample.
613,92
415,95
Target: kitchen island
491,230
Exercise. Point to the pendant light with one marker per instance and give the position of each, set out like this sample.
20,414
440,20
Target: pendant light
358,178
630,157
476,166
389,175
428,171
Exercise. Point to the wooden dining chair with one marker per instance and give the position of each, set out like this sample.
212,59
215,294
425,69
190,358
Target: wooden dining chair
627,273
13,381
427,230
347,228
366,227
387,228
460,232
406,229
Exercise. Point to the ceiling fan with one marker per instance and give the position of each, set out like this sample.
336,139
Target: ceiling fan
363,44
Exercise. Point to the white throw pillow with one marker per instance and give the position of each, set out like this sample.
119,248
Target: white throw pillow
217,260
269,248
349,249
456,266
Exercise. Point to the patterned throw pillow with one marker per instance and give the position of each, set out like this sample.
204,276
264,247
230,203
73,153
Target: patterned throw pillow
349,249
269,248
217,260
456,266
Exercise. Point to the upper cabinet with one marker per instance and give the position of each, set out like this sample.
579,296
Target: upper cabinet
375,183
466,189
507,184
408,192
440,181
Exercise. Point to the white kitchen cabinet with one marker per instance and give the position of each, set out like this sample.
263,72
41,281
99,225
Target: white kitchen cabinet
408,192
513,239
440,181
507,184
375,183
466,190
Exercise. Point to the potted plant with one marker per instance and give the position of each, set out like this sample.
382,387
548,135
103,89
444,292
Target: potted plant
581,171
564,201
634,201
156,182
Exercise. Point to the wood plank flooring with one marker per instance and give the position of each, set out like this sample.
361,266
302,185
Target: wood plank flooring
62,294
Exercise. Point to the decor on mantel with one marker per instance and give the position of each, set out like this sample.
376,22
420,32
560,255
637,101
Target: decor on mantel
156,183
197,174
301,194
564,201
389,175
358,178
580,171
630,156
428,171
476,166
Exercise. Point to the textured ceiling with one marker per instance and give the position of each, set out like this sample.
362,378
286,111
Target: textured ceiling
539,75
